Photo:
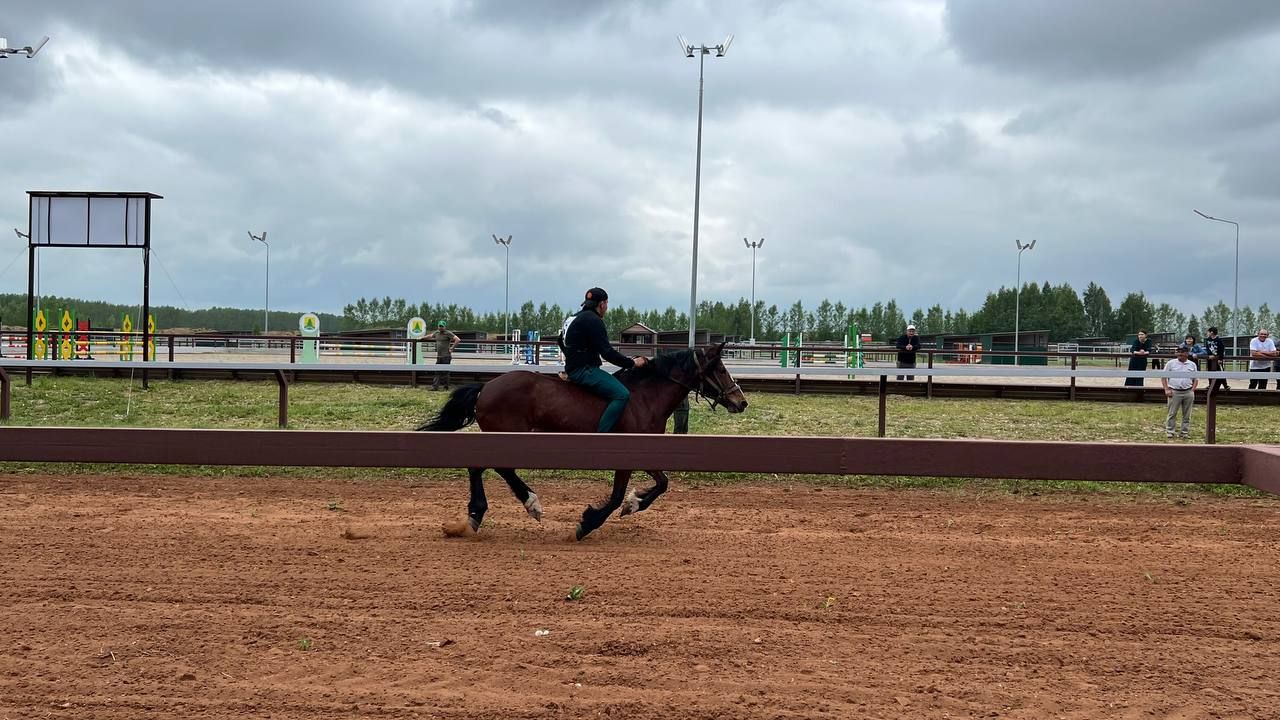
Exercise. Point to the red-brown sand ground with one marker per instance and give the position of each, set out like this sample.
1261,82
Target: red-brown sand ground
170,597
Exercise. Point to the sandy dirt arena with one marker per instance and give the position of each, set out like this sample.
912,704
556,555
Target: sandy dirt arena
161,597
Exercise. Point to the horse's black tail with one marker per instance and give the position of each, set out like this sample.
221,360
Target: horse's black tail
458,412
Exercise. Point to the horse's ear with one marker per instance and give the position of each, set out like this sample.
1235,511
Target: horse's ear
716,350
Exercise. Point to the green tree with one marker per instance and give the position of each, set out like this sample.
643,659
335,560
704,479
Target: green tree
917,319
935,321
1266,318
876,324
895,322
1218,316
825,321
1134,313
1066,318
1097,311
1168,319
1248,321
771,323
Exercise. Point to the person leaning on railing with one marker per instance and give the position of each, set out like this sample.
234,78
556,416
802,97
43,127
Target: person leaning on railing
1262,355
1138,358
1215,350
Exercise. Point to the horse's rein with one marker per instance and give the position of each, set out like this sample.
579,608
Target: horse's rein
720,392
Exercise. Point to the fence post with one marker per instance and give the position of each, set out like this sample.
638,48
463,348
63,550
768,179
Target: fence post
928,383
4,394
884,391
413,360
170,348
283,414
1071,394
1211,416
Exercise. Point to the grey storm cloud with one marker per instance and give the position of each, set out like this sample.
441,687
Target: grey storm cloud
885,150
1067,40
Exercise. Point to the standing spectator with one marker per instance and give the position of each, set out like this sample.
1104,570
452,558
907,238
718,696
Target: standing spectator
907,346
1262,353
1180,388
445,343
1138,358
1215,350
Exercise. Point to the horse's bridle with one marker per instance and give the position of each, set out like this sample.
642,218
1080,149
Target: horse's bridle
707,379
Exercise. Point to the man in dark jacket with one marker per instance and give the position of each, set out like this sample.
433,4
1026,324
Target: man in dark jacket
586,341
907,346
1216,351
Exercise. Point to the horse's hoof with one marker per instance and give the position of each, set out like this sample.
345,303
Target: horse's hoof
630,504
458,528
578,533
533,507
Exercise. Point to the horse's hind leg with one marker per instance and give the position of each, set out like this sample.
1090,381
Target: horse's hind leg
594,517
523,493
478,505
635,502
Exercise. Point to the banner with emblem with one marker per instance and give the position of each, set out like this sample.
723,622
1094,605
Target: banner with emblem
309,326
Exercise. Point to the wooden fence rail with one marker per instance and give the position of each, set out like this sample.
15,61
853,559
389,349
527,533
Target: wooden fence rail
1254,465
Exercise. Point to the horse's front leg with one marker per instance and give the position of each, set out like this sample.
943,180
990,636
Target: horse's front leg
594,517
635,502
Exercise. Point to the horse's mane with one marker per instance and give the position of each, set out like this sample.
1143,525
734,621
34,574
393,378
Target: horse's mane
663,366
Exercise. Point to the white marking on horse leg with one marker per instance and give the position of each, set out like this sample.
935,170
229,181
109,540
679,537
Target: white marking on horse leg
630,504
533,507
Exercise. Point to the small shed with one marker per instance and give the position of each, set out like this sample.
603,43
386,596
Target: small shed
639,334
982,345
681,337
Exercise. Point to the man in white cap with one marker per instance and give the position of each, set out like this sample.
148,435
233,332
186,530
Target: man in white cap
1180,390
907,346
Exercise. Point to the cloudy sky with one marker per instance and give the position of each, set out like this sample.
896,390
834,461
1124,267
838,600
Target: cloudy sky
882,149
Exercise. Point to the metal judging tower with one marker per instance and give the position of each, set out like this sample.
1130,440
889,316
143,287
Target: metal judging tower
92,220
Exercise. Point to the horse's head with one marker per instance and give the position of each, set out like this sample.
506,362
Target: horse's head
714,382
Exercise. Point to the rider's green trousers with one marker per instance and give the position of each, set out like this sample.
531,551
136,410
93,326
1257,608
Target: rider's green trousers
606,386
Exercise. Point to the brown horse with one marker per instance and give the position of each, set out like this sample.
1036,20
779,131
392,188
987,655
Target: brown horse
535,402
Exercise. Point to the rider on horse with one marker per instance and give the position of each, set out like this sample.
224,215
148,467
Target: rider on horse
585,341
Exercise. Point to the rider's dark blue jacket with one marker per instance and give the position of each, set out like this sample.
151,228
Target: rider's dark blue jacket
586,341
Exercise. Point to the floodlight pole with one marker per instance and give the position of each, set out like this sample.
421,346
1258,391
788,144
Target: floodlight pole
754,246
506,295
29,51
702,51
1017,298
266,310
1235,300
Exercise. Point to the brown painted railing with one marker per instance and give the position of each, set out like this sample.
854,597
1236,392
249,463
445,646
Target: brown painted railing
1252,465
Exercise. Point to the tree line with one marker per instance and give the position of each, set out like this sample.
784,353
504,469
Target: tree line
110,316
1057,309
